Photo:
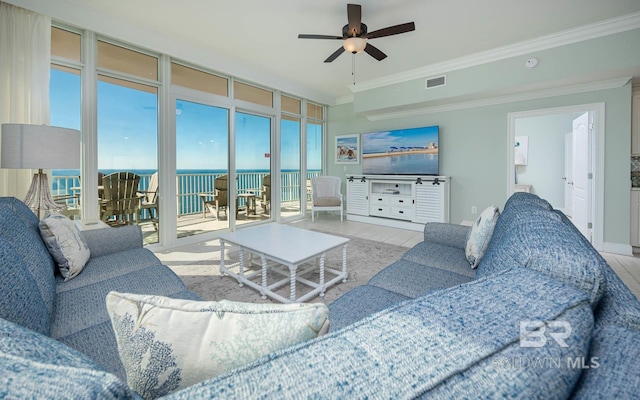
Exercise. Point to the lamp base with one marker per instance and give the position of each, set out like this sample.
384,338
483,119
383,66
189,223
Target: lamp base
39,196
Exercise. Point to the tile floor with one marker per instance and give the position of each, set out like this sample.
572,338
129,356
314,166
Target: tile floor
627,267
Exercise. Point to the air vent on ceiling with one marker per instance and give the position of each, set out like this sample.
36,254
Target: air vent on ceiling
435,82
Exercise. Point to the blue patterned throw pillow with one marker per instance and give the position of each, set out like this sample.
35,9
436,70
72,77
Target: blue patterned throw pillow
168,344
480,235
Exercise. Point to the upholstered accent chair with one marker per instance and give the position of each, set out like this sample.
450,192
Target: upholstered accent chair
326,195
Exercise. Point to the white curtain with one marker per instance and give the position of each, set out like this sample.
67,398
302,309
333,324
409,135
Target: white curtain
25,62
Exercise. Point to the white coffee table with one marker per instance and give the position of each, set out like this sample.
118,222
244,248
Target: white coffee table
289,247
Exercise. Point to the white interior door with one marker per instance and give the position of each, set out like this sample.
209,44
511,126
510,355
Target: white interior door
568,174
580,168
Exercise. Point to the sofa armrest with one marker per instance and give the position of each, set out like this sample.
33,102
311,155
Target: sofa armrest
447,234
113,240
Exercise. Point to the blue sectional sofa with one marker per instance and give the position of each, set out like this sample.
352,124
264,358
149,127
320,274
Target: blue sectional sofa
543,316
44,319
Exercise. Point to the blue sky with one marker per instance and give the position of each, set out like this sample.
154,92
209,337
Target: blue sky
127,130
381,142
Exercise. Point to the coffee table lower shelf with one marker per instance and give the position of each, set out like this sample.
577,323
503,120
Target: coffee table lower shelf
291,273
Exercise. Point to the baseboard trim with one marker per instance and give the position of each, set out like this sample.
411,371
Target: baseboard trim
617,248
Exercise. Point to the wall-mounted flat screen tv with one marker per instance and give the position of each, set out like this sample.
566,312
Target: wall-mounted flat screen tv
412,151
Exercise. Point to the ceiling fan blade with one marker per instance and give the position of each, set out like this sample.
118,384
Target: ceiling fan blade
303,36
354,14
392,30
374,52
335,55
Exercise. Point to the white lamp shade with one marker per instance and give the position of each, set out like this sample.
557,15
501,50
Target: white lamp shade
39,146
354,44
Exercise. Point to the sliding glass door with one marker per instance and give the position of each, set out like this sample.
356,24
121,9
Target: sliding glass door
202,168
254,182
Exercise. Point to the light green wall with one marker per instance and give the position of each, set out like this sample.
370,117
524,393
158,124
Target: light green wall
473,151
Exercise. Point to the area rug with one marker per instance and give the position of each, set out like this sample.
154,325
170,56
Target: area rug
364,259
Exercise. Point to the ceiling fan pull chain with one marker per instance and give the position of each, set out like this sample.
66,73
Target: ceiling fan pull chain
353,68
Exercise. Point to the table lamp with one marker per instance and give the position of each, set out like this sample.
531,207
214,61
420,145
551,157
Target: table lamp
39,147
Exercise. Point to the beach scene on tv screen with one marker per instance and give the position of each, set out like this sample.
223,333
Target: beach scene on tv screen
411,151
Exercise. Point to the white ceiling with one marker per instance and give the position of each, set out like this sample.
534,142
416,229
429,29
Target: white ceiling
257,39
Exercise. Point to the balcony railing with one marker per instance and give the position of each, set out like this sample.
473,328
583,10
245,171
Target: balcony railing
190,185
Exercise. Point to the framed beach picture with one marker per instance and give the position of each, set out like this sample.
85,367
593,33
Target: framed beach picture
348,149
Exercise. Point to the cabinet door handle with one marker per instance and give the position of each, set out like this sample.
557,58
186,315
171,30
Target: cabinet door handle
379,209
400,212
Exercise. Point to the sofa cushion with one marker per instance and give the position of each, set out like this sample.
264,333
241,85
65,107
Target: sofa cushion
66,245
435,344
36,366
103,242
524,197
84,307
613,369
167,344
530,236
440,256
21,301
446,234
480,234
36,259
100,269
327,201
413,280
360,302
618,305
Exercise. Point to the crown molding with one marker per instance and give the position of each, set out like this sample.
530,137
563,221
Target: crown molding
563,38
490,101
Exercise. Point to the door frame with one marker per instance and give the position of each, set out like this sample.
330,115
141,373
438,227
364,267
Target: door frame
597,112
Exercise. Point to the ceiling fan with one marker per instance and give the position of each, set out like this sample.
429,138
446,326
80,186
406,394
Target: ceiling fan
355,35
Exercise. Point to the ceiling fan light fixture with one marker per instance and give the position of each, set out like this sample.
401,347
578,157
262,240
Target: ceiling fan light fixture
354,44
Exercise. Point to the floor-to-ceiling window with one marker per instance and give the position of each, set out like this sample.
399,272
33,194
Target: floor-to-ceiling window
315,125
202,167
127,110
256,188
290,151
255,185
65,109
202,151
114,94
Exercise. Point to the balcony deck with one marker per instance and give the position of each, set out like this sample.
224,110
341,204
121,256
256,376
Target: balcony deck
190,220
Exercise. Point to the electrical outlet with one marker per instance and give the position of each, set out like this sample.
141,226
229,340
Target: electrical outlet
474,210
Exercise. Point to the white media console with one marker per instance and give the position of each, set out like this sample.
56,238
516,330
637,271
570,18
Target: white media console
400,201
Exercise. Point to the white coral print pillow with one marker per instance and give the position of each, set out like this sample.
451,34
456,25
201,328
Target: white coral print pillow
168,344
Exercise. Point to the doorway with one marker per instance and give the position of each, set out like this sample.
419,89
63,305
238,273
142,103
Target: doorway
565,162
